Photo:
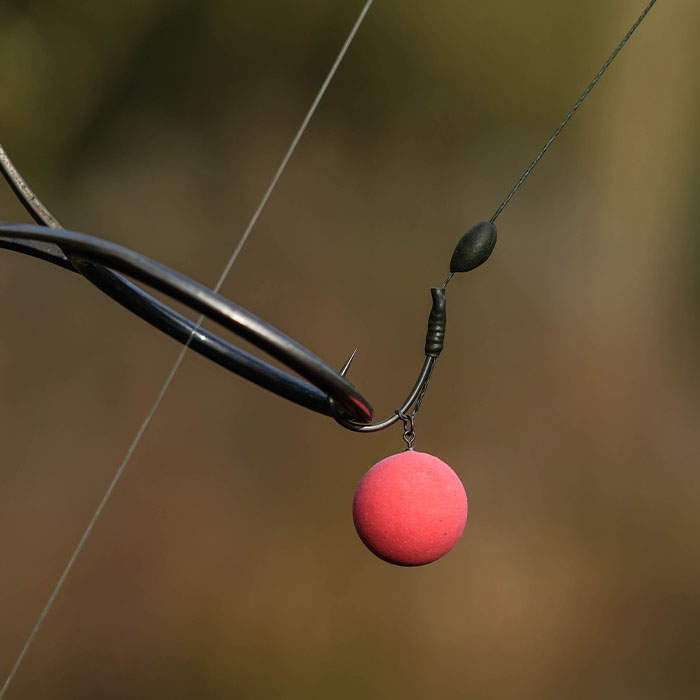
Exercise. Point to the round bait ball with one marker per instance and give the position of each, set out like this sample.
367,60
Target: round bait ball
410,508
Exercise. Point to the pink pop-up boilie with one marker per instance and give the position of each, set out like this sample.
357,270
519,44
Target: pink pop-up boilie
410,508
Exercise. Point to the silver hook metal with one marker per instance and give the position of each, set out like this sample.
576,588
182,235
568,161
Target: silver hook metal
422,381
434,341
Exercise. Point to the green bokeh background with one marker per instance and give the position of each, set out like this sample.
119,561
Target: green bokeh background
567,399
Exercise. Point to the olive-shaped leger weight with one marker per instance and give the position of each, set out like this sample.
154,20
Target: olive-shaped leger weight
474,247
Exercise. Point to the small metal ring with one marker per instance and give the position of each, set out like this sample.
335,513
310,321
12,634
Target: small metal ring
409,434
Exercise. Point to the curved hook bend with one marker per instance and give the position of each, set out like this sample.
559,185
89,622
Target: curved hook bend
422,381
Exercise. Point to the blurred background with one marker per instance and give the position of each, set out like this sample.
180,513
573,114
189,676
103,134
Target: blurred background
567,399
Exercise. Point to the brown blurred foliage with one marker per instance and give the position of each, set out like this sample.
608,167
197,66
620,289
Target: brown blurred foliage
568,396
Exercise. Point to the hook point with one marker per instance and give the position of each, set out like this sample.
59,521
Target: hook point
347,364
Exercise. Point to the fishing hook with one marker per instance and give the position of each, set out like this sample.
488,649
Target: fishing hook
327,391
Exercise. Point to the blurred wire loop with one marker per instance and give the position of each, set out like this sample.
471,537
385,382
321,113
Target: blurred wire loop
101,262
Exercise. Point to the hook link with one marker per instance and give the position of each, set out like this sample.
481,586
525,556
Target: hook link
409,434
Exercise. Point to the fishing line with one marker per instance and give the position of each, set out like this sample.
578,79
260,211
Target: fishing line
565,121
50,221
571,112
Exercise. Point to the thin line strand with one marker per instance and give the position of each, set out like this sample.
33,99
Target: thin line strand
176,366
93,521
293,146
572,111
